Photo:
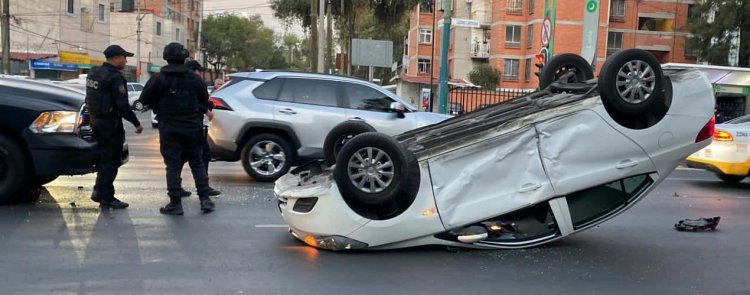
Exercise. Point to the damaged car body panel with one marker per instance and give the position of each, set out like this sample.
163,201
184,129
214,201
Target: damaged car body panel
518,174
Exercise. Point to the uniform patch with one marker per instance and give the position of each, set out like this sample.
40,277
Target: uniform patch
122,89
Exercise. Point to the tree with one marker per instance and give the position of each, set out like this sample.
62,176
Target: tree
713,36
237,42
290,41
278,62
484,75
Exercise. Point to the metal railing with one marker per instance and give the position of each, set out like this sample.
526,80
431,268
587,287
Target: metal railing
480,50
467,99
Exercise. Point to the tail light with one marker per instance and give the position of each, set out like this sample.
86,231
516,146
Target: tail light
721,135
708,130
219,104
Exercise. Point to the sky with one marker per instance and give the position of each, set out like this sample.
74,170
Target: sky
252,7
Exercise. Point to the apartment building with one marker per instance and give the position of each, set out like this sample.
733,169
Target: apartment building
506,34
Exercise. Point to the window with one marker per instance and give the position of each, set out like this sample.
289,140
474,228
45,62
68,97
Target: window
310,91
102,8
515,6
177,34
693,13
513,36
618,10
158,28
531,7
527,70
510,70
692,46
362,97
425,35
423,66
137,87
593,204
71,6
529,35
269,90
614,42
426,6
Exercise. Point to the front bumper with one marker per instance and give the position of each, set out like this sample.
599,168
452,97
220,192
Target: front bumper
65,154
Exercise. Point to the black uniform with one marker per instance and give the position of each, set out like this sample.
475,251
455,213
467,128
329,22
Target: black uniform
107,103
176,97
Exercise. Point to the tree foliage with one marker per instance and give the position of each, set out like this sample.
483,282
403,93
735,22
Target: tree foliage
484,75
713,35
237,42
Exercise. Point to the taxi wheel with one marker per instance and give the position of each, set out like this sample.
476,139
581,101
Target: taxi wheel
730,178
562,64
340,135
630,81
14,173
377,177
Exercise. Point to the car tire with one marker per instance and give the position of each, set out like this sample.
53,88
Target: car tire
267,151
733,179
14,172
617,82
40,180
562,64
339,135
138,105
396,182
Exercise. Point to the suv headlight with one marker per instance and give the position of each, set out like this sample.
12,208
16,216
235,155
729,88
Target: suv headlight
55,122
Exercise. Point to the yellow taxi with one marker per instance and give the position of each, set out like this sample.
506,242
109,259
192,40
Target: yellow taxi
728,155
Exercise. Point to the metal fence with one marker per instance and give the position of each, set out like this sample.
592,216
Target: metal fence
467,99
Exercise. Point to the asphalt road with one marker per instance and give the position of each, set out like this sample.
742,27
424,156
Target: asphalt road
64,244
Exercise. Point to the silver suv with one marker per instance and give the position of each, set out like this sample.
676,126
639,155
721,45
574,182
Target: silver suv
274,120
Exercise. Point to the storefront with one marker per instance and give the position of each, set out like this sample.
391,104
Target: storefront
84,62
51,70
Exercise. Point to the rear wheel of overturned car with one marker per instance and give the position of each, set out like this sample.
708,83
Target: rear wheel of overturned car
339,135
730,178
567,68
266,157
630,81
377,177
14,173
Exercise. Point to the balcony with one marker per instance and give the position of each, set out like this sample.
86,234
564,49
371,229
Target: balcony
480,50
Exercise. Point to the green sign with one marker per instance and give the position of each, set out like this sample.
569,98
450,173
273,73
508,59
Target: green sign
591,6
153,68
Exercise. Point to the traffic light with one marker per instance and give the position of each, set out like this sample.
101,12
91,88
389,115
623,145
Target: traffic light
540,60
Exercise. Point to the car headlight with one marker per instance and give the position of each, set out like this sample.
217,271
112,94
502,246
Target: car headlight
55,122
334,243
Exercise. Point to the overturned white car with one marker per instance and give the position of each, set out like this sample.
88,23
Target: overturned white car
516,174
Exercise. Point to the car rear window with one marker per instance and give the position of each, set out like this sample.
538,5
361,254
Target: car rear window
269,90
137,87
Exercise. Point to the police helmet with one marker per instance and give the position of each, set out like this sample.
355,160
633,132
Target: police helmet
175,52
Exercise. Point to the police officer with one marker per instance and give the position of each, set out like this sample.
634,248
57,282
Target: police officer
107,103
196,68
176,96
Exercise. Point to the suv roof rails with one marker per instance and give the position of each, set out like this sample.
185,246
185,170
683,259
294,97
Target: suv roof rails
303,72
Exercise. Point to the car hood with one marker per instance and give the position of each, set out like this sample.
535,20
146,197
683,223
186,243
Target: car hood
43,96
428,118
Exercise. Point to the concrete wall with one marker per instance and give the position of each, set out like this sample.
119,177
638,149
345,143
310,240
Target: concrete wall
36,27
82,31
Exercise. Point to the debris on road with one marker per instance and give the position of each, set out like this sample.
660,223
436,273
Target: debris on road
700,224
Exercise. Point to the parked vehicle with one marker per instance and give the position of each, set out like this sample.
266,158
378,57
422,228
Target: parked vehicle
44,133
134,93
729,154
274,120
516,174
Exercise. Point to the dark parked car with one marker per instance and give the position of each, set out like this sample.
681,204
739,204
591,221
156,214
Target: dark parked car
44,133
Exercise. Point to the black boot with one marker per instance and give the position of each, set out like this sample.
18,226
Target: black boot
173,208
212,192
113,203
95,196
207,205
185,194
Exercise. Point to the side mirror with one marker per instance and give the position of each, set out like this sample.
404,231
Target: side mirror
399,109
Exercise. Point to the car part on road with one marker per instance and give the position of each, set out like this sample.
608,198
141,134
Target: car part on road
377,177
339,135
266,157
630,80
700,224
14,172
566,68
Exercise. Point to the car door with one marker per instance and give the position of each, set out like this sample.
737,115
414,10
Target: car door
371,105
311,108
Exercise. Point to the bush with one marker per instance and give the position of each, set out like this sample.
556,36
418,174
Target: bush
484,75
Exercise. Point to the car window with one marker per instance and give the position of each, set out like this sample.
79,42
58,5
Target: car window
589,205
361,97
137,87
310,91
130,88
269,89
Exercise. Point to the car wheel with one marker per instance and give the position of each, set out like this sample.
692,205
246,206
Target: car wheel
630,81
155,125
563,64
730,178
14,173
266,157
138,105
377,177
339,135
40,180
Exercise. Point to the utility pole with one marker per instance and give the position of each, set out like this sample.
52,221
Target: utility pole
6,36
321,37
329,37
313,35
446,36
138,19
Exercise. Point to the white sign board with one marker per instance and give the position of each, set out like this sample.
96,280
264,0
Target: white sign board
376,53
462,23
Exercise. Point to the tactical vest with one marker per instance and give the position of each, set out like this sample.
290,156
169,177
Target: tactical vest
100,100
179,99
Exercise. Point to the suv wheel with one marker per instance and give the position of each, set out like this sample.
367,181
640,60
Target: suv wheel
266,157
14,173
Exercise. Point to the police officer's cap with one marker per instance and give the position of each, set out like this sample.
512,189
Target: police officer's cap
175,52
116,50
194,65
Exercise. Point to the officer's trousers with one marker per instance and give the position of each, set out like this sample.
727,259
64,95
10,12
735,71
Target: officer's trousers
183,141
110,137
